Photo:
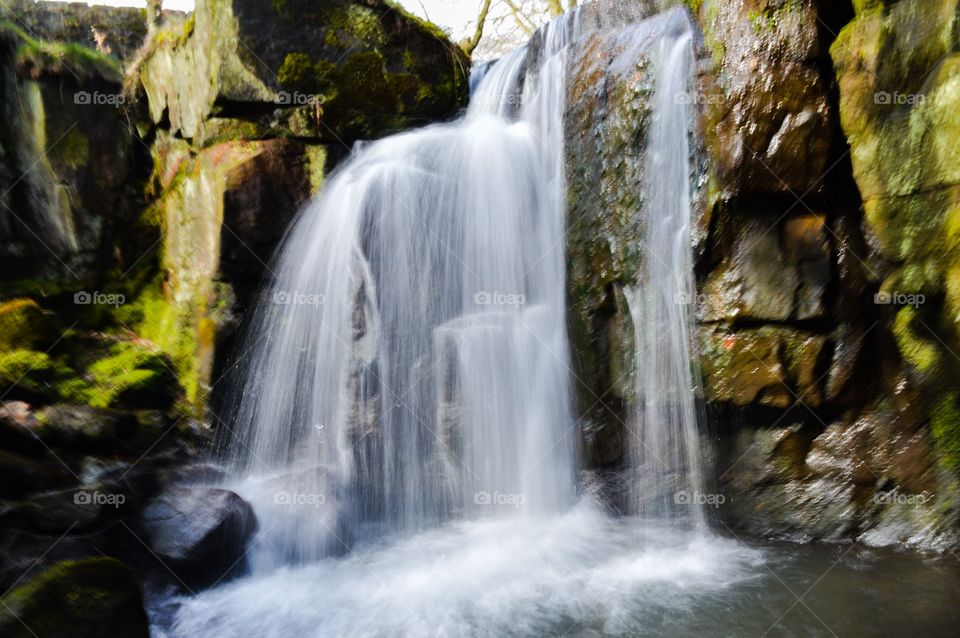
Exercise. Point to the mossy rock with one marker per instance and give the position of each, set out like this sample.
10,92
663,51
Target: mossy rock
93,598
37,58
25,325
30,374
898,71
121,29
769,366
130,375
367,67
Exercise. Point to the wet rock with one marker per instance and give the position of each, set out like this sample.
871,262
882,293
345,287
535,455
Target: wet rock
776,271
769,366
261,198
200,534
768,126
94,598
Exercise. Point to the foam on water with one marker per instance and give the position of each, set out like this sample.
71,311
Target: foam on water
581,570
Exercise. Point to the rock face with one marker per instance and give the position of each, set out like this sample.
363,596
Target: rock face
812,407
71,170
811,386
95,598
142,205
899,76
116,31
201,534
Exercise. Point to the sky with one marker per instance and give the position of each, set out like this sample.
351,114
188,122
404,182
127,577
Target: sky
454,16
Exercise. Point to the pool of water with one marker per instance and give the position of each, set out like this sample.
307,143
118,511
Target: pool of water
584,573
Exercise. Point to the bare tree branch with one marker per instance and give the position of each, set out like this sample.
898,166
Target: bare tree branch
470,44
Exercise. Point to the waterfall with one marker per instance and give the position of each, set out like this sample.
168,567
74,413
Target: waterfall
405,432
409,364
664,445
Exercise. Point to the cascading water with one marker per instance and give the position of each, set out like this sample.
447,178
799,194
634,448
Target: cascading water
410,377
664,447
410,363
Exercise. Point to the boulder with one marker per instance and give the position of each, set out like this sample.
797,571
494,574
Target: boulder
99,431
199,533
24,324
347,69
767,117
93,598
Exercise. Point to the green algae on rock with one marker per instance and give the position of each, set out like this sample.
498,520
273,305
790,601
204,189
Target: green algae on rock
93,598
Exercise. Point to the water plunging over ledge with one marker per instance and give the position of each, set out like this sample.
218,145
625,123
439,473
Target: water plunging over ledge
410,363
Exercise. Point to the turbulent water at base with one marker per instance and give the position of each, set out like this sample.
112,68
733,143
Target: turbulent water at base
665,455
405,432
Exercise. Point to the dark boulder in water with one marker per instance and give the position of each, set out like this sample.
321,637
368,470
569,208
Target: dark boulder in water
199,534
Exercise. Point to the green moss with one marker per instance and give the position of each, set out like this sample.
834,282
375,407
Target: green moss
945,426
24,324
73,151
921,352
36,58
81,599
31,371
130,375
300,73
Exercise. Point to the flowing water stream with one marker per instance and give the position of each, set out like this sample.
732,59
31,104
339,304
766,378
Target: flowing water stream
405,432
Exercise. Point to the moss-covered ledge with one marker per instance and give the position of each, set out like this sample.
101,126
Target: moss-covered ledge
359,69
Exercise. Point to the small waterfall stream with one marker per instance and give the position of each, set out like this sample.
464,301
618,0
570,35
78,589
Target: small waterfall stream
664,446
